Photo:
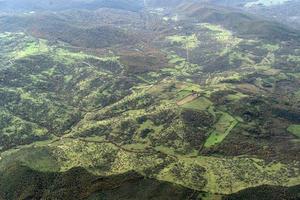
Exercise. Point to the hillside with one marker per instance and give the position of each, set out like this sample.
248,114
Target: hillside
191,100
284,11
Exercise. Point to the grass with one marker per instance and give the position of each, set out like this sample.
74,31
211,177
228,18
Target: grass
236,56
221,34
187,99
211,88
222,175
8,36
271,47
16,127
147,125
187,42
68,57
180,66
29,46
225,175
182,94
297,95
176,60
236,97
32,48
293,58
295,130
192,87
295,75
201,103
222,128
209,196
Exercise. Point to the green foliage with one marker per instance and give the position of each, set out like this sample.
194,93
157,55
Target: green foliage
147,128
182,94
236,96
203,114
221,129
201,103
197,119
181,66
187,42
32,48
294,129
211,174
221,34
271,47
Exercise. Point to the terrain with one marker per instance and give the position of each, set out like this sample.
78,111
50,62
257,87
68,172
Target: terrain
285,11
144,100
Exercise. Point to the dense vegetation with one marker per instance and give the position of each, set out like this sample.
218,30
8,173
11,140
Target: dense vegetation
198,95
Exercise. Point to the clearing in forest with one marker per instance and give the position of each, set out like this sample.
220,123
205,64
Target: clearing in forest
187,99
222,128
195,103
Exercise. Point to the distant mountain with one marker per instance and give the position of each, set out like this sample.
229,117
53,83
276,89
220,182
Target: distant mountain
285,11
34,5
243,24
56,27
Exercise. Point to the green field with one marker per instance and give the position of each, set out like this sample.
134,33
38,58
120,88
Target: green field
294,129
201,103
222,128
187,42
